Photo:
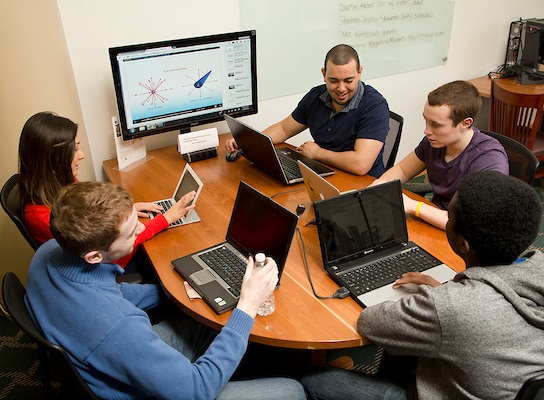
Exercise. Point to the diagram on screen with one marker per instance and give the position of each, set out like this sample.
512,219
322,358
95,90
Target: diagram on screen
153,92
200,81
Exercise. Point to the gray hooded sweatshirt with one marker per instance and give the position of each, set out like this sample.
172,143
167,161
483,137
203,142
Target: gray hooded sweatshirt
480,336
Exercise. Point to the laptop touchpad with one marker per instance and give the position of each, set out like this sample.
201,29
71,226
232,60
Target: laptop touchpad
203,277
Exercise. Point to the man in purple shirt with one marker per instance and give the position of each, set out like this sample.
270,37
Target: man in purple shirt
451,149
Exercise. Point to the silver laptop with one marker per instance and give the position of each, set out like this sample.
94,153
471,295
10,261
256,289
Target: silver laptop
365,247
257,224
279,163
318,188
188,182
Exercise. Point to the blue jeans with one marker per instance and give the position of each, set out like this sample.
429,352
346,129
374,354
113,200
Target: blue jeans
336,383
263,388
192,339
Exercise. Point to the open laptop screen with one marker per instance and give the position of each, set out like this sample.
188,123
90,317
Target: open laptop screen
259,224
189,182
359,223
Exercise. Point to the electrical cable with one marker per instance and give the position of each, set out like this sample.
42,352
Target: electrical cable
341,293
497,72
518,70
287,192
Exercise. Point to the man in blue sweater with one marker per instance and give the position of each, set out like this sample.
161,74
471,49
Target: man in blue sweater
73,296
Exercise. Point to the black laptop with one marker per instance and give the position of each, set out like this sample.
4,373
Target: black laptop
279,163
365,247
258,224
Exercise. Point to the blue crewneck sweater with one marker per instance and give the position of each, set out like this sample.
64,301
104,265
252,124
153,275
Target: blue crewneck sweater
109,337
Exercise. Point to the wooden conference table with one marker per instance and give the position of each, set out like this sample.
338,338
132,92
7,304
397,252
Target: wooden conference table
301,321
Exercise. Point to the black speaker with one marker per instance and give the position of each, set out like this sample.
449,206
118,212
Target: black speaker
200,154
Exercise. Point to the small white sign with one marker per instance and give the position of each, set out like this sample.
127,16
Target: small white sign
128,152
199,140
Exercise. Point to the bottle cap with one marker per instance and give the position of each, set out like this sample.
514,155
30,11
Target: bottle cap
260,257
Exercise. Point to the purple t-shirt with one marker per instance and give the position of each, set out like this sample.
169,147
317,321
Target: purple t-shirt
483,153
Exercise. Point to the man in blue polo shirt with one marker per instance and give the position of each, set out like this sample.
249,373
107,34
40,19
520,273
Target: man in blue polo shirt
348,120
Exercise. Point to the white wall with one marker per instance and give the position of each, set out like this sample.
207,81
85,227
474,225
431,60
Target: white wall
35,75
478,40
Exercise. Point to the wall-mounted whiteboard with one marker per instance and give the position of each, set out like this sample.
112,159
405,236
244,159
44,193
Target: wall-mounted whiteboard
391,36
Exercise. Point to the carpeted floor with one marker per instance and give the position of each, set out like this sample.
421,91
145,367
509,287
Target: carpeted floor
19,366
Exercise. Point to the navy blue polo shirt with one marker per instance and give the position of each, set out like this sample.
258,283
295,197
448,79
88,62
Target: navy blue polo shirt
366,116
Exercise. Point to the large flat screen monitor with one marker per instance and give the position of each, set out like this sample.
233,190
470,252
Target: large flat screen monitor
178,84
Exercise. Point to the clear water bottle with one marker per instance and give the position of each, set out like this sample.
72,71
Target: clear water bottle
269,305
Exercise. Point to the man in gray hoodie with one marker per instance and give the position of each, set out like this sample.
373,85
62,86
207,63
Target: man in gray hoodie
480,336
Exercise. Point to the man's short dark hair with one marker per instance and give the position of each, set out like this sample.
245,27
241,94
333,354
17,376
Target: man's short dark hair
498,215
461,97
342,54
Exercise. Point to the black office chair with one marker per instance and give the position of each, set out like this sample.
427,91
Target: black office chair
523,163
60,378
11,203
533,389
392,141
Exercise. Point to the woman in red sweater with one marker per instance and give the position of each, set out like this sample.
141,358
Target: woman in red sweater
49,158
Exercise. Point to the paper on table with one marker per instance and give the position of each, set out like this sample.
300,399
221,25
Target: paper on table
190,291
130,151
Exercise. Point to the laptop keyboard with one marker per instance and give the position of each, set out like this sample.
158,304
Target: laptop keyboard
385,271
290,166
165,207
227,265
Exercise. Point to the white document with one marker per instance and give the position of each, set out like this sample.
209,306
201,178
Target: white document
199,140
130,151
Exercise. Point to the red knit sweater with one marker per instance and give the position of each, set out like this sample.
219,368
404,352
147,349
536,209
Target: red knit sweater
37,220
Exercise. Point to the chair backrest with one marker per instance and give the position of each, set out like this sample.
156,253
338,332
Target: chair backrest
12,205
515,115
392,141
55,365
523,163
533,389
